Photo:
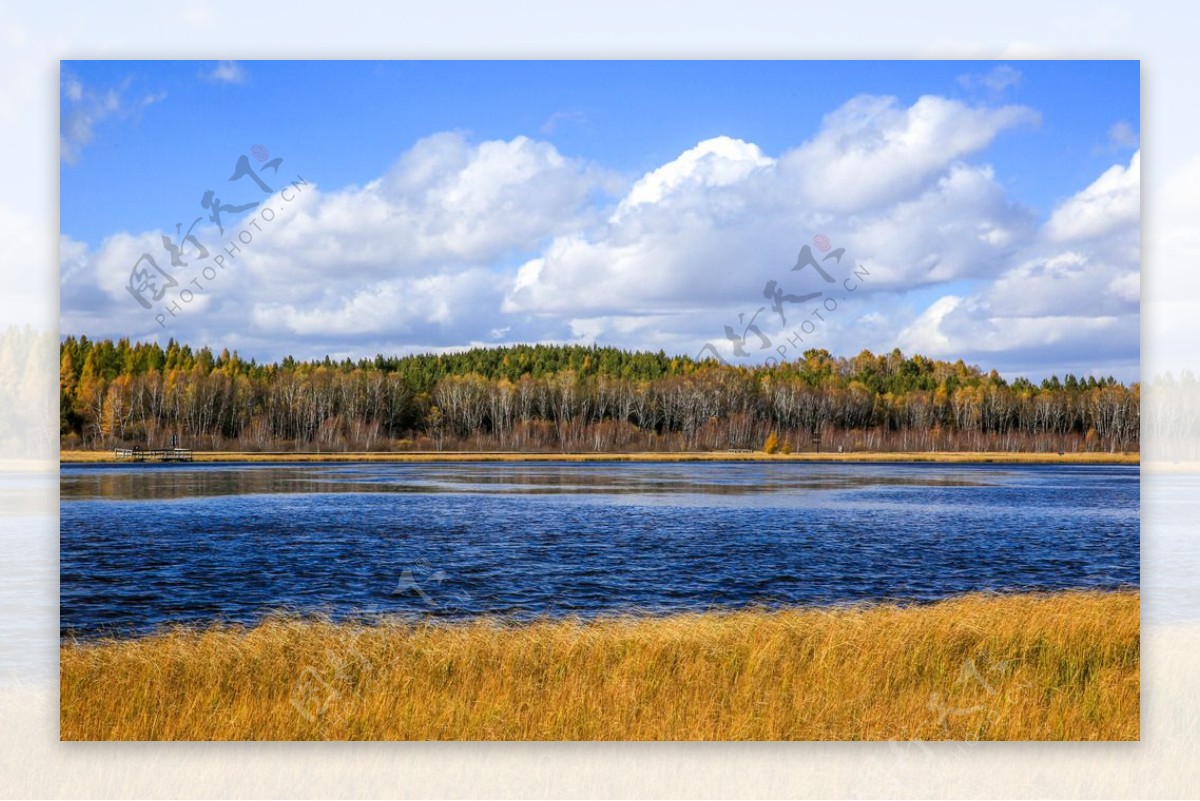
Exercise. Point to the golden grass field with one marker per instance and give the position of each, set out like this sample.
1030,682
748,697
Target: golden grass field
1061,666
950,457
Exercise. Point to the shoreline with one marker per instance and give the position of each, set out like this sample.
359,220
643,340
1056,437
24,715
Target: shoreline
903,457
634,615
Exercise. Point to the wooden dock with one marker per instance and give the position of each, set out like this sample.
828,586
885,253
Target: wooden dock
159,455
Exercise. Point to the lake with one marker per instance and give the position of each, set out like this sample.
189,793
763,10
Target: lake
149,544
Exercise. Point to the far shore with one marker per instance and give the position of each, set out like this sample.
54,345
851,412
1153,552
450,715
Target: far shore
946,457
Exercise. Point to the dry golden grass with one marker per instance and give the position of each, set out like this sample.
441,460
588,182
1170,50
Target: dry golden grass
1056,667
949,457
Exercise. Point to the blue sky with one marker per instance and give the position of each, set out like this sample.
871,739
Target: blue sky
398,209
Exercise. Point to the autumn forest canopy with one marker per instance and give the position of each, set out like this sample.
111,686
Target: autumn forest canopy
574,398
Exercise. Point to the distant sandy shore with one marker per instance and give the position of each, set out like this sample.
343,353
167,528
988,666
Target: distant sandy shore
949,457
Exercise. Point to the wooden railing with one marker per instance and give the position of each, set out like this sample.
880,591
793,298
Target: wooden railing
160,455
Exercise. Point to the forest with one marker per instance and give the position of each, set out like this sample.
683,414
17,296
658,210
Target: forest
571,398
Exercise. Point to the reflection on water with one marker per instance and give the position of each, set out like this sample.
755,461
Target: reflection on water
153,481
143,545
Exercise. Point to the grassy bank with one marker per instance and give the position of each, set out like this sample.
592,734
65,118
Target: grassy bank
948,457
1060,666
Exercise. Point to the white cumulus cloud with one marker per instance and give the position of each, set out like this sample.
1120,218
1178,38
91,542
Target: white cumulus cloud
464,242
1069,298
1112,200
227,72
873,151
710,228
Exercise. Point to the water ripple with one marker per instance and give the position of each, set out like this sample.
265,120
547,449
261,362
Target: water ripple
142,546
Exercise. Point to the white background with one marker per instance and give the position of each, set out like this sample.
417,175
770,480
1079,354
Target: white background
34,37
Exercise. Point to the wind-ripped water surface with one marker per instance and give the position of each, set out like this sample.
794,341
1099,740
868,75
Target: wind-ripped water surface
146,545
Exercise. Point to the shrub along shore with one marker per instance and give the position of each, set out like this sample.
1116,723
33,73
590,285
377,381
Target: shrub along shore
946,457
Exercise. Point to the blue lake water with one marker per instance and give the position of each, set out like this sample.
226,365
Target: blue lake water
145,545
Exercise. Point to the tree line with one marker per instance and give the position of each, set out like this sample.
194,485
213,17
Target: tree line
27,398
574,398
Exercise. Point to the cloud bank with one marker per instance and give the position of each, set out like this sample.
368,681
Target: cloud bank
462,243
